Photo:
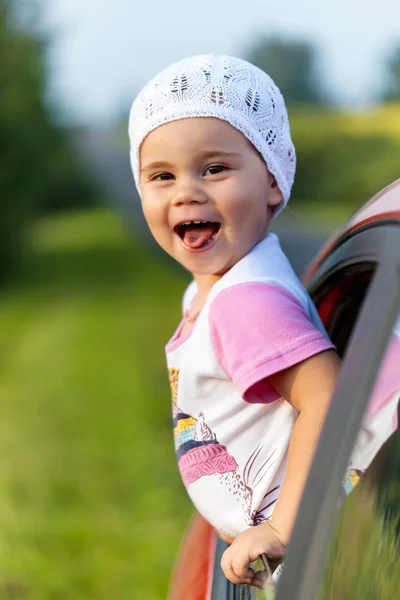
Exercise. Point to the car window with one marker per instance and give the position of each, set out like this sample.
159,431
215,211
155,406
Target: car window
364,559
340,307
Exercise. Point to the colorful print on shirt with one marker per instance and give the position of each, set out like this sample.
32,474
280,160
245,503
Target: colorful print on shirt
200,454
350,481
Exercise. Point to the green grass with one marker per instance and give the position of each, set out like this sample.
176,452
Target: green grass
91,504
364,562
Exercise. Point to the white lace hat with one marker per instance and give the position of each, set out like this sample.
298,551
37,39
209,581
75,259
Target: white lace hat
225,87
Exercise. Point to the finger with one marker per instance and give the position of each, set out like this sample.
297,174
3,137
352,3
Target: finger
230,574
260,579
240,566
227,567
262,575
257,583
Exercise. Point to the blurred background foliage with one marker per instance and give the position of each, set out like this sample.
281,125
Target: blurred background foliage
39,170
344,157
293,65
392,91
91,504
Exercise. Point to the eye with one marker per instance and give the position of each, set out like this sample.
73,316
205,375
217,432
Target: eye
215,169
162,177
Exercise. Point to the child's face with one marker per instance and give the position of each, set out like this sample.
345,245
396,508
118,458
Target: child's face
205,170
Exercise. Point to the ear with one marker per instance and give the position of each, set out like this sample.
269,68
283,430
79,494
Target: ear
275,195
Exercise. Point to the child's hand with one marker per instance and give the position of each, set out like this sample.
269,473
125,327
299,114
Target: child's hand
246,548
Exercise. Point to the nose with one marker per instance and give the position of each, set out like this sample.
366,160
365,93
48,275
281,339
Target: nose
189,192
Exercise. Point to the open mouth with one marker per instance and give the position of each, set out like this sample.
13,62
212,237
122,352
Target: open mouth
197,235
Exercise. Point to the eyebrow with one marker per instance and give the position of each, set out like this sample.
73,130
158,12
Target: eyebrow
163,164
211,153
159,164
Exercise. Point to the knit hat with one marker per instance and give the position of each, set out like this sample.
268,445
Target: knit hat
227,88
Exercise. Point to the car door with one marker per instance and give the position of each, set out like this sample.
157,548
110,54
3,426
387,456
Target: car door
357,291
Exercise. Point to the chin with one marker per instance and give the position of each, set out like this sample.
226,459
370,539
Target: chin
205,265
211,270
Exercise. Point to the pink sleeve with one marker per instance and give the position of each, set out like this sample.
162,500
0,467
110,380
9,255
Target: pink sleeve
258,329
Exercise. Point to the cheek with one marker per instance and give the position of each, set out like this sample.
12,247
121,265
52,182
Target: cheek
157,220
153,211
248,203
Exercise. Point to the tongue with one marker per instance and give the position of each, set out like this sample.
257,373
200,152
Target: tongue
196,237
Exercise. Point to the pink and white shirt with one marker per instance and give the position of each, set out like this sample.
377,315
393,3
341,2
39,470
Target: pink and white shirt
231,427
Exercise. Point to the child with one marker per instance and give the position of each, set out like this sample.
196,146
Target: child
251,368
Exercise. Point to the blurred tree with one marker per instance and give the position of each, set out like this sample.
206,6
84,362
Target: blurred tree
292,65
38,169
344,158
392,91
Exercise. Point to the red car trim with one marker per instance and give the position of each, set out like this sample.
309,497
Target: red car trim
193,572
384,206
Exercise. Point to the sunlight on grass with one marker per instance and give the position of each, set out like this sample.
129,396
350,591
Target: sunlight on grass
91,504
